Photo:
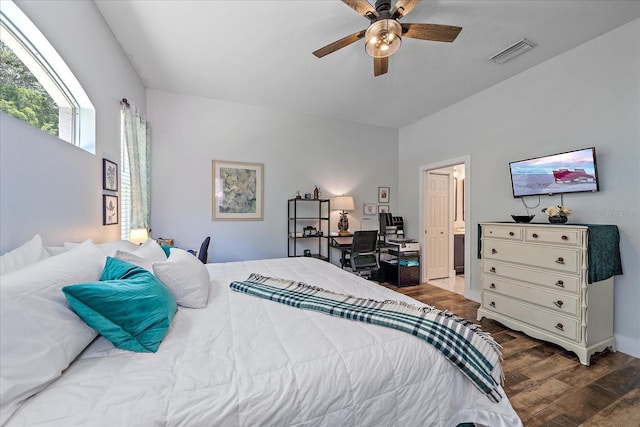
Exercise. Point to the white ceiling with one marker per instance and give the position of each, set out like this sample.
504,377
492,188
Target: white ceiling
259,52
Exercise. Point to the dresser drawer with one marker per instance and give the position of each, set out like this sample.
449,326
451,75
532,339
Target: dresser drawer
548,279
563,303
502,232
547,320
555,235
555,258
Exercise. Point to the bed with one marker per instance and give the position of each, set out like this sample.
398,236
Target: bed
248,361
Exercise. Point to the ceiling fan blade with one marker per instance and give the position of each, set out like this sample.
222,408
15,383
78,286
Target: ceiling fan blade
433,32
363,7
403,7
339,44
380,66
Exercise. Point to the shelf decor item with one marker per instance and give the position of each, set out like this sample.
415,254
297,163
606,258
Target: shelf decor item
557,214
237,190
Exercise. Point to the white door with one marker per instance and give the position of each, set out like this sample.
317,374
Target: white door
437,229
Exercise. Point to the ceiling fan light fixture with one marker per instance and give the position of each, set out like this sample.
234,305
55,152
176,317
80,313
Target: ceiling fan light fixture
383,38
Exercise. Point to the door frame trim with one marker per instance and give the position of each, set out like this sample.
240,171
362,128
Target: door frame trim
422,175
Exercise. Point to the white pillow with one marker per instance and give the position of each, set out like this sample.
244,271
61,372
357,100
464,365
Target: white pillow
55,250
27,254
144,255
39,334
110,248
186,277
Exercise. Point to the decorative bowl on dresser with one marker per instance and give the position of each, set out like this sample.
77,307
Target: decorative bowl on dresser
553,282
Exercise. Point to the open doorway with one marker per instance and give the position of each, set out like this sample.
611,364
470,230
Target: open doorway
444,213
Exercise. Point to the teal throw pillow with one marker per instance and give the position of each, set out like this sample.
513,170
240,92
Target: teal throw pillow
129,306
166,249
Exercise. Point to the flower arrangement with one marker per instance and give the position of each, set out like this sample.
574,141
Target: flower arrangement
557,211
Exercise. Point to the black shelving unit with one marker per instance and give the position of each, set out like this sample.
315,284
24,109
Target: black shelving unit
401,268
308,213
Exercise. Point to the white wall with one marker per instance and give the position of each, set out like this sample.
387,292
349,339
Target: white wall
47,185
589,96
297,151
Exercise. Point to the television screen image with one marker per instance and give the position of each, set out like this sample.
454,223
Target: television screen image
570,172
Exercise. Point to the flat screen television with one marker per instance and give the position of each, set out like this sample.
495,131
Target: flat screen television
570,172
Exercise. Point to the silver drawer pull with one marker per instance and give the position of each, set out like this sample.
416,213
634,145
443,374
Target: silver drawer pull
534,235
564,238
560,260
560,283
492,269
560,326
493,251
492,304
492,286
559,303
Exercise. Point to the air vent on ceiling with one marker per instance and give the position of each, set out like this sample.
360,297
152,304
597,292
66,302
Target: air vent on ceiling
512,51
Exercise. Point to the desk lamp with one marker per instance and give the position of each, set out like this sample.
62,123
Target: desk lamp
343,203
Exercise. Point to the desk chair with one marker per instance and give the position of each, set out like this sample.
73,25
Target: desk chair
204,249
362,258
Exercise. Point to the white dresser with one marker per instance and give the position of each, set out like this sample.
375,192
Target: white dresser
535,280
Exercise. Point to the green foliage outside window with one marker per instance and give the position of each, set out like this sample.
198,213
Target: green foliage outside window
22,96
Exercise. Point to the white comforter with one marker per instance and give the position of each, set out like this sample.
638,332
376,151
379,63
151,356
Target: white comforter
245,361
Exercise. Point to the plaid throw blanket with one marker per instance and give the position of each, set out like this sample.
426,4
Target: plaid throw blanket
473,351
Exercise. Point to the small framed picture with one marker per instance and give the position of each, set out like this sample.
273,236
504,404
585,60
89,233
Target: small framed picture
383,194
110,209
383,208
370,209
109,175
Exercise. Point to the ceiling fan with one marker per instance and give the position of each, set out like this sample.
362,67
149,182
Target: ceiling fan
384,35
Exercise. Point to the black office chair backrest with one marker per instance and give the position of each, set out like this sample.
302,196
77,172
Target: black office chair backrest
204,250
364,241
363,251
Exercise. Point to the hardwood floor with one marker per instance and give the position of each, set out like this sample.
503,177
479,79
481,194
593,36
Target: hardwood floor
547,385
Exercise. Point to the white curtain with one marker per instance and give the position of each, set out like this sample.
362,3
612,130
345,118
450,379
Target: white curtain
136,160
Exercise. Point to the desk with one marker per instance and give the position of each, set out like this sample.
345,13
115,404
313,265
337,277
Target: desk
342,243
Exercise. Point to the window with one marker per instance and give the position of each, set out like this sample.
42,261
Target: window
36,86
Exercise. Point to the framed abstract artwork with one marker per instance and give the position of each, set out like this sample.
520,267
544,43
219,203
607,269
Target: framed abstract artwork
109,175
238,190
110,209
